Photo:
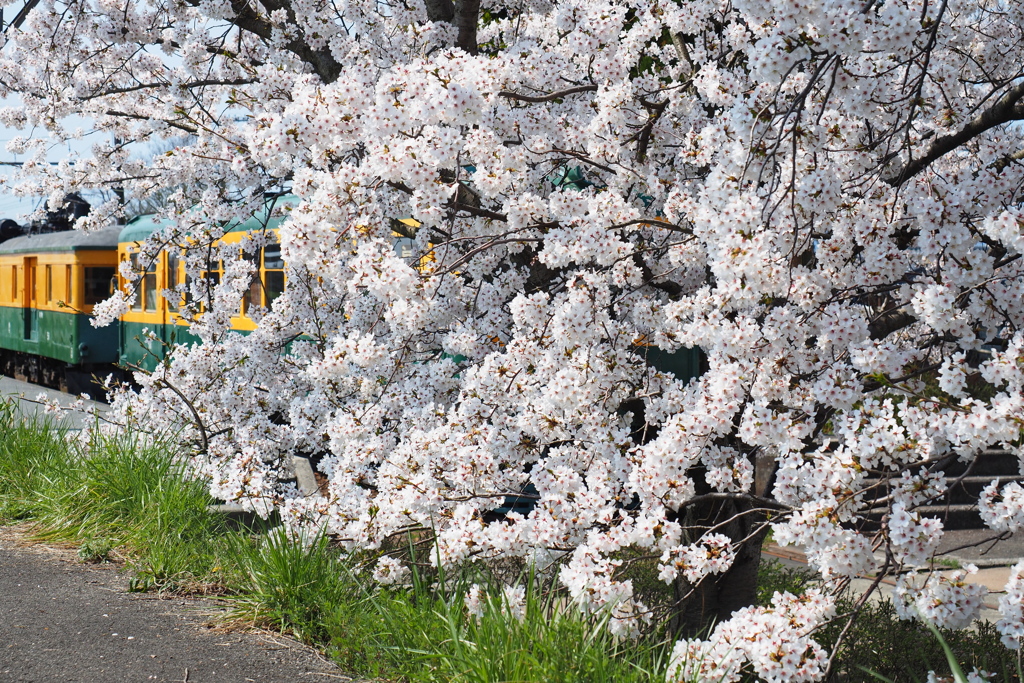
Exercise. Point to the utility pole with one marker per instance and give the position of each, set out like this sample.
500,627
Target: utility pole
119,188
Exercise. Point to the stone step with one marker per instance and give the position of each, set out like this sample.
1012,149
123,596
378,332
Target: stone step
958,508
991,462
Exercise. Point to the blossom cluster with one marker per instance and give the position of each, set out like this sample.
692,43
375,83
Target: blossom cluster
1011,606
671,267
773,643
945,600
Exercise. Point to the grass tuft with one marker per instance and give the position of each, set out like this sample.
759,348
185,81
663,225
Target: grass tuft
288,583
500,646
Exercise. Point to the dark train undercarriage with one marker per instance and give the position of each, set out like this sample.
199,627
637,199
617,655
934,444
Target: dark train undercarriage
54,374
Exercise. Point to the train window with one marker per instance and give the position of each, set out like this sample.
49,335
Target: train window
273,272
97,284
49,284
173,266
14,283
137,304
149,285
212,277
253,294
67,285
147,290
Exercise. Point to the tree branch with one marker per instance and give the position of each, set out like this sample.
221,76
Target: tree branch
1007,108
478,212
139,117
884,325
440,10
145,86
547,98
246,18
20,17
654,110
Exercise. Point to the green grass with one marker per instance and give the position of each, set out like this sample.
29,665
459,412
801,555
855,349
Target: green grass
110,493
424,633
388,633
498,647
289,584
126,496
33,457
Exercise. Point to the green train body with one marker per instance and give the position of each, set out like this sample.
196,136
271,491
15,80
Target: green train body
49,284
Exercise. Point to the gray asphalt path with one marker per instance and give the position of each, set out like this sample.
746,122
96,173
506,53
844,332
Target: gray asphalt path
26,395
62,621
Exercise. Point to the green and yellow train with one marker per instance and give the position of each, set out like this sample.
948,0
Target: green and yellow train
160,315
49,284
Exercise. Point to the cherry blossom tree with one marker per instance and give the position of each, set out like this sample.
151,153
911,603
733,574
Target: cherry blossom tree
823,198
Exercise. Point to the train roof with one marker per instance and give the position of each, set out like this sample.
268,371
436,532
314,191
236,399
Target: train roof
141,227
65,241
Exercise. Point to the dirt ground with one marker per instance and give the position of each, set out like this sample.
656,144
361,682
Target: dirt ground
63,621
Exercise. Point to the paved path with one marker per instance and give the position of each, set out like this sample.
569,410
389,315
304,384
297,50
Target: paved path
26,395
960,544
62,621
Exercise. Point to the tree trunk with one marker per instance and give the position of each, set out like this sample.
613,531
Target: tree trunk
719,595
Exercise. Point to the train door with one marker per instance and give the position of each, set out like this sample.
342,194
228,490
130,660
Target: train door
30,298
119,284
168,307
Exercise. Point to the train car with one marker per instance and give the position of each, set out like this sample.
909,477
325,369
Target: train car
49,284
159,316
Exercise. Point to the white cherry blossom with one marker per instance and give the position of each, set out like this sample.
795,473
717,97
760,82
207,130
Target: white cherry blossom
677,266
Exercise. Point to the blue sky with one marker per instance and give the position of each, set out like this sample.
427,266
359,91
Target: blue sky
11,206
